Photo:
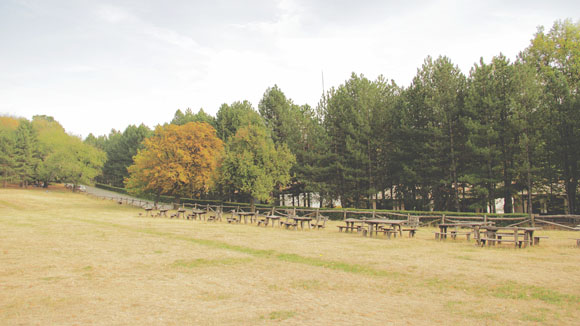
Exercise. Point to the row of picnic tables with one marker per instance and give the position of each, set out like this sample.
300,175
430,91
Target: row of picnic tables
245,217
484,233
290,220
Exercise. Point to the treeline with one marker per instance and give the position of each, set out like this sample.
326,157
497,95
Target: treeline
40,152
448,141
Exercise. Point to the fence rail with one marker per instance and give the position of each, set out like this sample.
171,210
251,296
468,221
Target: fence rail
567,222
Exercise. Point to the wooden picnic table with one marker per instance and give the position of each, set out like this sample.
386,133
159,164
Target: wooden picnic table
374,225
302,220
163,211
197,213
148,210
272,218
245,215
350,224
443,228
495,234
181,211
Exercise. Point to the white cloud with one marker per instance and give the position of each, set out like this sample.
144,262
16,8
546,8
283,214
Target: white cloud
100,66
114,14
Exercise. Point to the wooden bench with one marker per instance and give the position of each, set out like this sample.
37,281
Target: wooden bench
411,231
453,234
388,232
262,220
518,243
537,239
213,217
346,228
288,224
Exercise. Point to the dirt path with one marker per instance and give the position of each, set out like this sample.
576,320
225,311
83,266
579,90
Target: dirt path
94,191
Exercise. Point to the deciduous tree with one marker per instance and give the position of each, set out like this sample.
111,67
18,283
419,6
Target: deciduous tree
177,161
253,165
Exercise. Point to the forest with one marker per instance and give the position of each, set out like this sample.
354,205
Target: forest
449,141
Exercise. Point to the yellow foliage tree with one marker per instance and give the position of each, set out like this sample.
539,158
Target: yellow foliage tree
176,161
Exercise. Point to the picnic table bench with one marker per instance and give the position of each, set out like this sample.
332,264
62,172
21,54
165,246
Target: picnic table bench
411,231
373,226
267,218
196,214
350,225
455,229
294,221
234,217
217,215
180,211
496,235
453,234
245,215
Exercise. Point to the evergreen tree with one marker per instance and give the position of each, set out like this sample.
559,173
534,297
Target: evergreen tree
181,118
7,155
27,155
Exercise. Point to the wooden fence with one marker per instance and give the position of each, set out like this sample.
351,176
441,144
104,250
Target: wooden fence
566,222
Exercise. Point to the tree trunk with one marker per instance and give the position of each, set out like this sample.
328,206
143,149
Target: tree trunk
571,186
529,177
453,168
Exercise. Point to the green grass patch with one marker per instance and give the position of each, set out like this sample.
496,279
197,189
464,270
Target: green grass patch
196,263
5,203
281,315
307,284
515,291
53,278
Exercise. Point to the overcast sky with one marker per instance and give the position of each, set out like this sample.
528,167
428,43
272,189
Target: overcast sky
98,65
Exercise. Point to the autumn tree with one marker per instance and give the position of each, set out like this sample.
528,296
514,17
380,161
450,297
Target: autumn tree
176,161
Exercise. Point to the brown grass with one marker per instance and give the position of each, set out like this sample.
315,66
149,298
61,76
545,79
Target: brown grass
67,259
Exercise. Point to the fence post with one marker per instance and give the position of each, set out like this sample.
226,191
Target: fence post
533,220
443,219
485,218
344,215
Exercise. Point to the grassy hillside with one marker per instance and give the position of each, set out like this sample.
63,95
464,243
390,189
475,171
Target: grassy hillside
69,259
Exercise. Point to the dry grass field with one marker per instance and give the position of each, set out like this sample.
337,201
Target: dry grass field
68,259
